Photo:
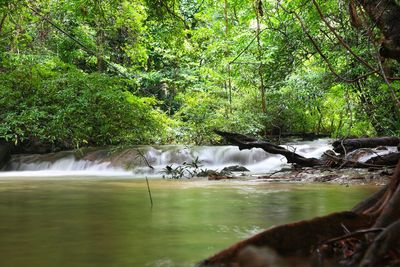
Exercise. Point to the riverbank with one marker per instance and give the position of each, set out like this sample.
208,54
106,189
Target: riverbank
336,176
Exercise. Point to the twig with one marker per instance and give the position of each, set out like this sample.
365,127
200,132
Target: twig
145,159
247,47
348,235
323,56
69,35
355,164
340,38
148,189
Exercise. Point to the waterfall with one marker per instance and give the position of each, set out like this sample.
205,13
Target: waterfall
131,163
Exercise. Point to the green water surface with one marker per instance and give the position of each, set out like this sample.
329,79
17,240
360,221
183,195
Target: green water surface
110,223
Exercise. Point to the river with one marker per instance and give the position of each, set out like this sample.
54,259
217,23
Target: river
110,222
102,217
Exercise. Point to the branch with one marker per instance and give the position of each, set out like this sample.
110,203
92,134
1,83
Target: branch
342,42
314,43
85,48
3,19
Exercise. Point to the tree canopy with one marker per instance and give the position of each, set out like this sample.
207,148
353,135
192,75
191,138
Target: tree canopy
91,72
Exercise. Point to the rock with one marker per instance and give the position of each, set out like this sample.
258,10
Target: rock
325,178
361,155
381,148
219,176
235,168
206,173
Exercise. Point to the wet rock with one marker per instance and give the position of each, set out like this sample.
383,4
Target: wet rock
215,176
98,155
325,178
381,148
235,168
360,155
206,173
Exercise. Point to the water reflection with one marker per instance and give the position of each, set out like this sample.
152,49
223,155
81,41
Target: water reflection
110,223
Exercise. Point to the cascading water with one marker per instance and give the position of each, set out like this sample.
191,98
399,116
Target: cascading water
134,162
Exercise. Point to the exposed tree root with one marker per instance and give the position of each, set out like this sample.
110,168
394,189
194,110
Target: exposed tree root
367,236
297,239
384,248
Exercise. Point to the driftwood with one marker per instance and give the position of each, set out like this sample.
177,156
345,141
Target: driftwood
348,145
246,142
348,237
388,159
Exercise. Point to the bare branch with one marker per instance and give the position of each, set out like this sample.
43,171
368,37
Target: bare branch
340,38
314,43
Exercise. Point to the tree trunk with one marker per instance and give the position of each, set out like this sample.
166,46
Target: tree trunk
385,14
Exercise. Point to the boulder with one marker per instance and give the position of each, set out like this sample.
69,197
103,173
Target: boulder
235,168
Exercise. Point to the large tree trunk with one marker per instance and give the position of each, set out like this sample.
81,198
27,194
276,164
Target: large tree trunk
385,14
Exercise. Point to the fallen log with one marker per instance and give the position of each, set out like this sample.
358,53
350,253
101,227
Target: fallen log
387,160
348,145
246,142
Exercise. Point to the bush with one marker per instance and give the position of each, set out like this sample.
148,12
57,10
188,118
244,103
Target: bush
51,102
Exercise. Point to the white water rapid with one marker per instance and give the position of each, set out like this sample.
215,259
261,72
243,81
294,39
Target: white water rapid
130,163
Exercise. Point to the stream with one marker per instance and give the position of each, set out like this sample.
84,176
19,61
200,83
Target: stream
91,209
133,162
110,222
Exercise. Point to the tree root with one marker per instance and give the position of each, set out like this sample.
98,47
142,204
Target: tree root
297,239
367,236
379,251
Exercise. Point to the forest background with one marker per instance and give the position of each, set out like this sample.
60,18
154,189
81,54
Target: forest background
92,72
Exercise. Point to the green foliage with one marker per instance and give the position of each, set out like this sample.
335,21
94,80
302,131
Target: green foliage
51,101
172,71
184,170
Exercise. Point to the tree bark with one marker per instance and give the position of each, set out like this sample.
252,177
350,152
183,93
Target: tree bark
296,239
385,14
